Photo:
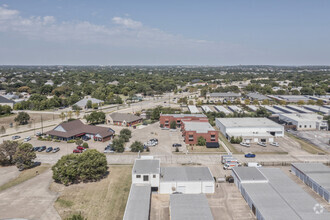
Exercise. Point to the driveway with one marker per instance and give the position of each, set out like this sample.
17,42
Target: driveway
31,199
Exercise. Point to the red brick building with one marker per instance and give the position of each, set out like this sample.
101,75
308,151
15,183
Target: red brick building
166,119
192,130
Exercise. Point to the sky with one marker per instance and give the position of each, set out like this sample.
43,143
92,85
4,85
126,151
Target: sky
181,32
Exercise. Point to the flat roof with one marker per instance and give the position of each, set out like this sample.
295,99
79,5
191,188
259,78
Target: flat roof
223,94
247,122
318,172
189,207
138,203
193,109
251,174
220,108
144,166
281,197
303,117
199,127
184,115
294,98
258,96
184,174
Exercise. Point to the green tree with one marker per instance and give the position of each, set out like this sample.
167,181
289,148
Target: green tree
247,101
79,142
85,145
7,152
301,102
77,113
95,117
62,116
88,166
118,145
126,131
201,141
262,112
319,102
137,146
69,114
255,102
173,125
24,156
89,104
22,118
265,102
125,137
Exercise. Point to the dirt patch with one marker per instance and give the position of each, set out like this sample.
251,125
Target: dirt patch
105,199
7,174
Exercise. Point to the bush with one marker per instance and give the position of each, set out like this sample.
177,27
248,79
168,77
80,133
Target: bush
125,137
85,145
79,142
76,217
137,146
173,125
236,140
177,149
201,141
118,145
56,140
73,168
71,141
127,132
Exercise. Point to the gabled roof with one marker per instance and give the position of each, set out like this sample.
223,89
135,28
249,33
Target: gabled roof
83,102
75,127
5,100
124,117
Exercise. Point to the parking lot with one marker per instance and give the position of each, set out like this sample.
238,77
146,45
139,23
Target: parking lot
318,138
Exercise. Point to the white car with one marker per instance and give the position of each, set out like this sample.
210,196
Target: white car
245,144
108,151
262,144
27,139
275,144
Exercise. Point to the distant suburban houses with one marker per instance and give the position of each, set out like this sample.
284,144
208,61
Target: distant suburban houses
123,119
74,129
83,103
5,101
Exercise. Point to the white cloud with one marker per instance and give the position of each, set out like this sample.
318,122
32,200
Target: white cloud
127,22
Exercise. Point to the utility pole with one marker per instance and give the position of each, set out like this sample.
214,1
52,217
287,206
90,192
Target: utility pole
42,126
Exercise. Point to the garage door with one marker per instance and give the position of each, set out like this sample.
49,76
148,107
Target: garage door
209,189
271,139
181,189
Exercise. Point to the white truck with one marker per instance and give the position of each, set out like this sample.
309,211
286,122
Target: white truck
224,157
254,164
229,166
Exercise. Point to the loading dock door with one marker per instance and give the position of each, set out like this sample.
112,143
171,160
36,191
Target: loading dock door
181,189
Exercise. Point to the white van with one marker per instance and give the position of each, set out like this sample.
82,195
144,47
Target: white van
229,166
224,157
253,164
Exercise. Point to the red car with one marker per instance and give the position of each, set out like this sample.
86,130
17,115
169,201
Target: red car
77,151
80,148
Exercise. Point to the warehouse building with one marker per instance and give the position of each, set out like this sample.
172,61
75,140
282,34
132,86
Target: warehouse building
316,108
193,109
298,109
272,110
314,175
304,121
235,108
192,130
257,96
250,129
186,180
220,108
271,194
284,109
222,97
206,109
146,170
189,206
166,119
138,202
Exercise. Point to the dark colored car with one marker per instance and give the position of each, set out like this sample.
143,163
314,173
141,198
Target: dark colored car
86,138
177,145
77,151
42,148
49,149
36,148
249,155
16,137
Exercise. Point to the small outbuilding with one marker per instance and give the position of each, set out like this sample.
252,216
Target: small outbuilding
147,171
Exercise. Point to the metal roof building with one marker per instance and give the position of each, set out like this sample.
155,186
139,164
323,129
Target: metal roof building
316,108
142,166
272,110
206,109
284,109
298,109
257,96
315,175
193,109
271,194
220,108
199,127
253,107
138,203
235,108
189,207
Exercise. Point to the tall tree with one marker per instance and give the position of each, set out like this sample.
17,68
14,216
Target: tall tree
22,118
24,156
7,152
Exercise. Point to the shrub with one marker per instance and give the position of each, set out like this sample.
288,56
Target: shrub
118,145
125,137
176,149
57,141
137,146
148,149
76,217
127,132
85,145
88,166
71,141
173,125
201,141
24,156
79,142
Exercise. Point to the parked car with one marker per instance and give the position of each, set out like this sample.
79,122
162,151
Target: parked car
85,138
262,144
253,164
108,151
77,151
49,149
38,134
36,148
56,149
15,137
245,144
250,155
176,145
42,148
80,148
27,139
275,144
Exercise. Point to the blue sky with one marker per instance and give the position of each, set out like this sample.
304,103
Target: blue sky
81,32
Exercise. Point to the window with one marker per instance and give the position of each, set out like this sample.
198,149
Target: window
178,121
305,126
154,176
138,176
145,178
166,122
191,137
299,126
213,137
310,126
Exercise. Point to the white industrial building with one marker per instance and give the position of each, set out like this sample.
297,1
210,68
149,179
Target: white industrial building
235,108
250,129
187,180
314,175
206,109
193,109
272,110
190,207
305,121
299,109
220,108
284,109
146,171
316,108
271,194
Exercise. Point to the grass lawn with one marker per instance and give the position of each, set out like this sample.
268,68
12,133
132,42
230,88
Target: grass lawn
105,199
229,145
310,148
203,149
24,176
